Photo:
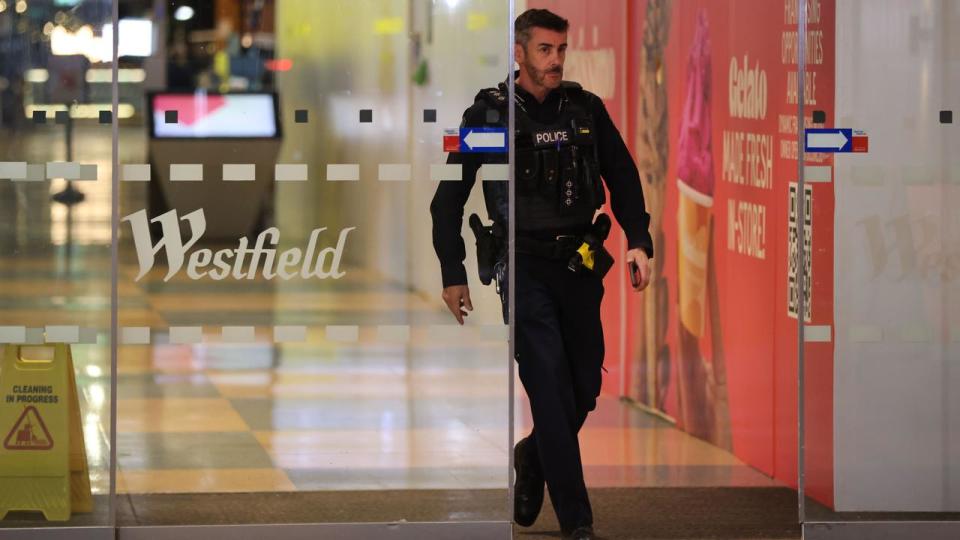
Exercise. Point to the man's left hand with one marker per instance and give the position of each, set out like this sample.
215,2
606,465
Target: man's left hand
644,266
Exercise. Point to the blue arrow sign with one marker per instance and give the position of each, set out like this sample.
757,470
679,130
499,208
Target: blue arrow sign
483,139
828,140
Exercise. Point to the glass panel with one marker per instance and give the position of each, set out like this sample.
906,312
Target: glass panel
700,92
283,330
55,261
880,342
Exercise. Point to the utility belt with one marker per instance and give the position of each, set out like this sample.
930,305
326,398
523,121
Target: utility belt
579,250
561,247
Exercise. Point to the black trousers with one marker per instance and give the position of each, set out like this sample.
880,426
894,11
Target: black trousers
559,350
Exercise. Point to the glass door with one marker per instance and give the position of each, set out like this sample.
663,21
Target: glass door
56,301
285,355
877,240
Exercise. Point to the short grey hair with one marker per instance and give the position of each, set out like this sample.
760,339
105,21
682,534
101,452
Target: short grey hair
537,18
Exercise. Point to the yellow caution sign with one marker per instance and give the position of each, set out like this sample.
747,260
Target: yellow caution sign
43,460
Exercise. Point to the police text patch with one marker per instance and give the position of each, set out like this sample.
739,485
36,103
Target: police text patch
552,137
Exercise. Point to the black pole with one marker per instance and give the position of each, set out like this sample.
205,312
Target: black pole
69,196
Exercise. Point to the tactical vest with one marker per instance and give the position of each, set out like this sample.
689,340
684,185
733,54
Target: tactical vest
557,170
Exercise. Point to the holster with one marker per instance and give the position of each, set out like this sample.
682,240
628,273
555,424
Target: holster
602,261
591,255
490,241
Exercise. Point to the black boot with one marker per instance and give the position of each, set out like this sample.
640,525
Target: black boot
528,488
580,533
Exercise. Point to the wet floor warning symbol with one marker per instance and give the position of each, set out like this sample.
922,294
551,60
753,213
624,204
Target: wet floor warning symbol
29,433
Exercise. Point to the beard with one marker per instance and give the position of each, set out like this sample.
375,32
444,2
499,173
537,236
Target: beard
539,76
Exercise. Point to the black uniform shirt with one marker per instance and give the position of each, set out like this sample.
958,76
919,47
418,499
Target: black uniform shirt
616,167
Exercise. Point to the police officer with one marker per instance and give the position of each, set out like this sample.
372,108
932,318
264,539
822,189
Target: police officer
565,142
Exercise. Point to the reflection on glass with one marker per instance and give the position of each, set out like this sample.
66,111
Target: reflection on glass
277,335
55,155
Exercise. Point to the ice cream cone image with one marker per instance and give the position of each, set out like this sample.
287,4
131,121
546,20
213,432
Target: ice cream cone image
652,140
695,184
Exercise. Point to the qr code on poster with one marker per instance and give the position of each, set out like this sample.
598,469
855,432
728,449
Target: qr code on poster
793,253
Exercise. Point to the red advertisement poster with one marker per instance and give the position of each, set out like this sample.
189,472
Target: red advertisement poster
705,93
713,344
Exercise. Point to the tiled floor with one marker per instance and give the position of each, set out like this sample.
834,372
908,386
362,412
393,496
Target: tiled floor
215,417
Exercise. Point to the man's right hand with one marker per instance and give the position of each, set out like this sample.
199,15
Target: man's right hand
457,297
